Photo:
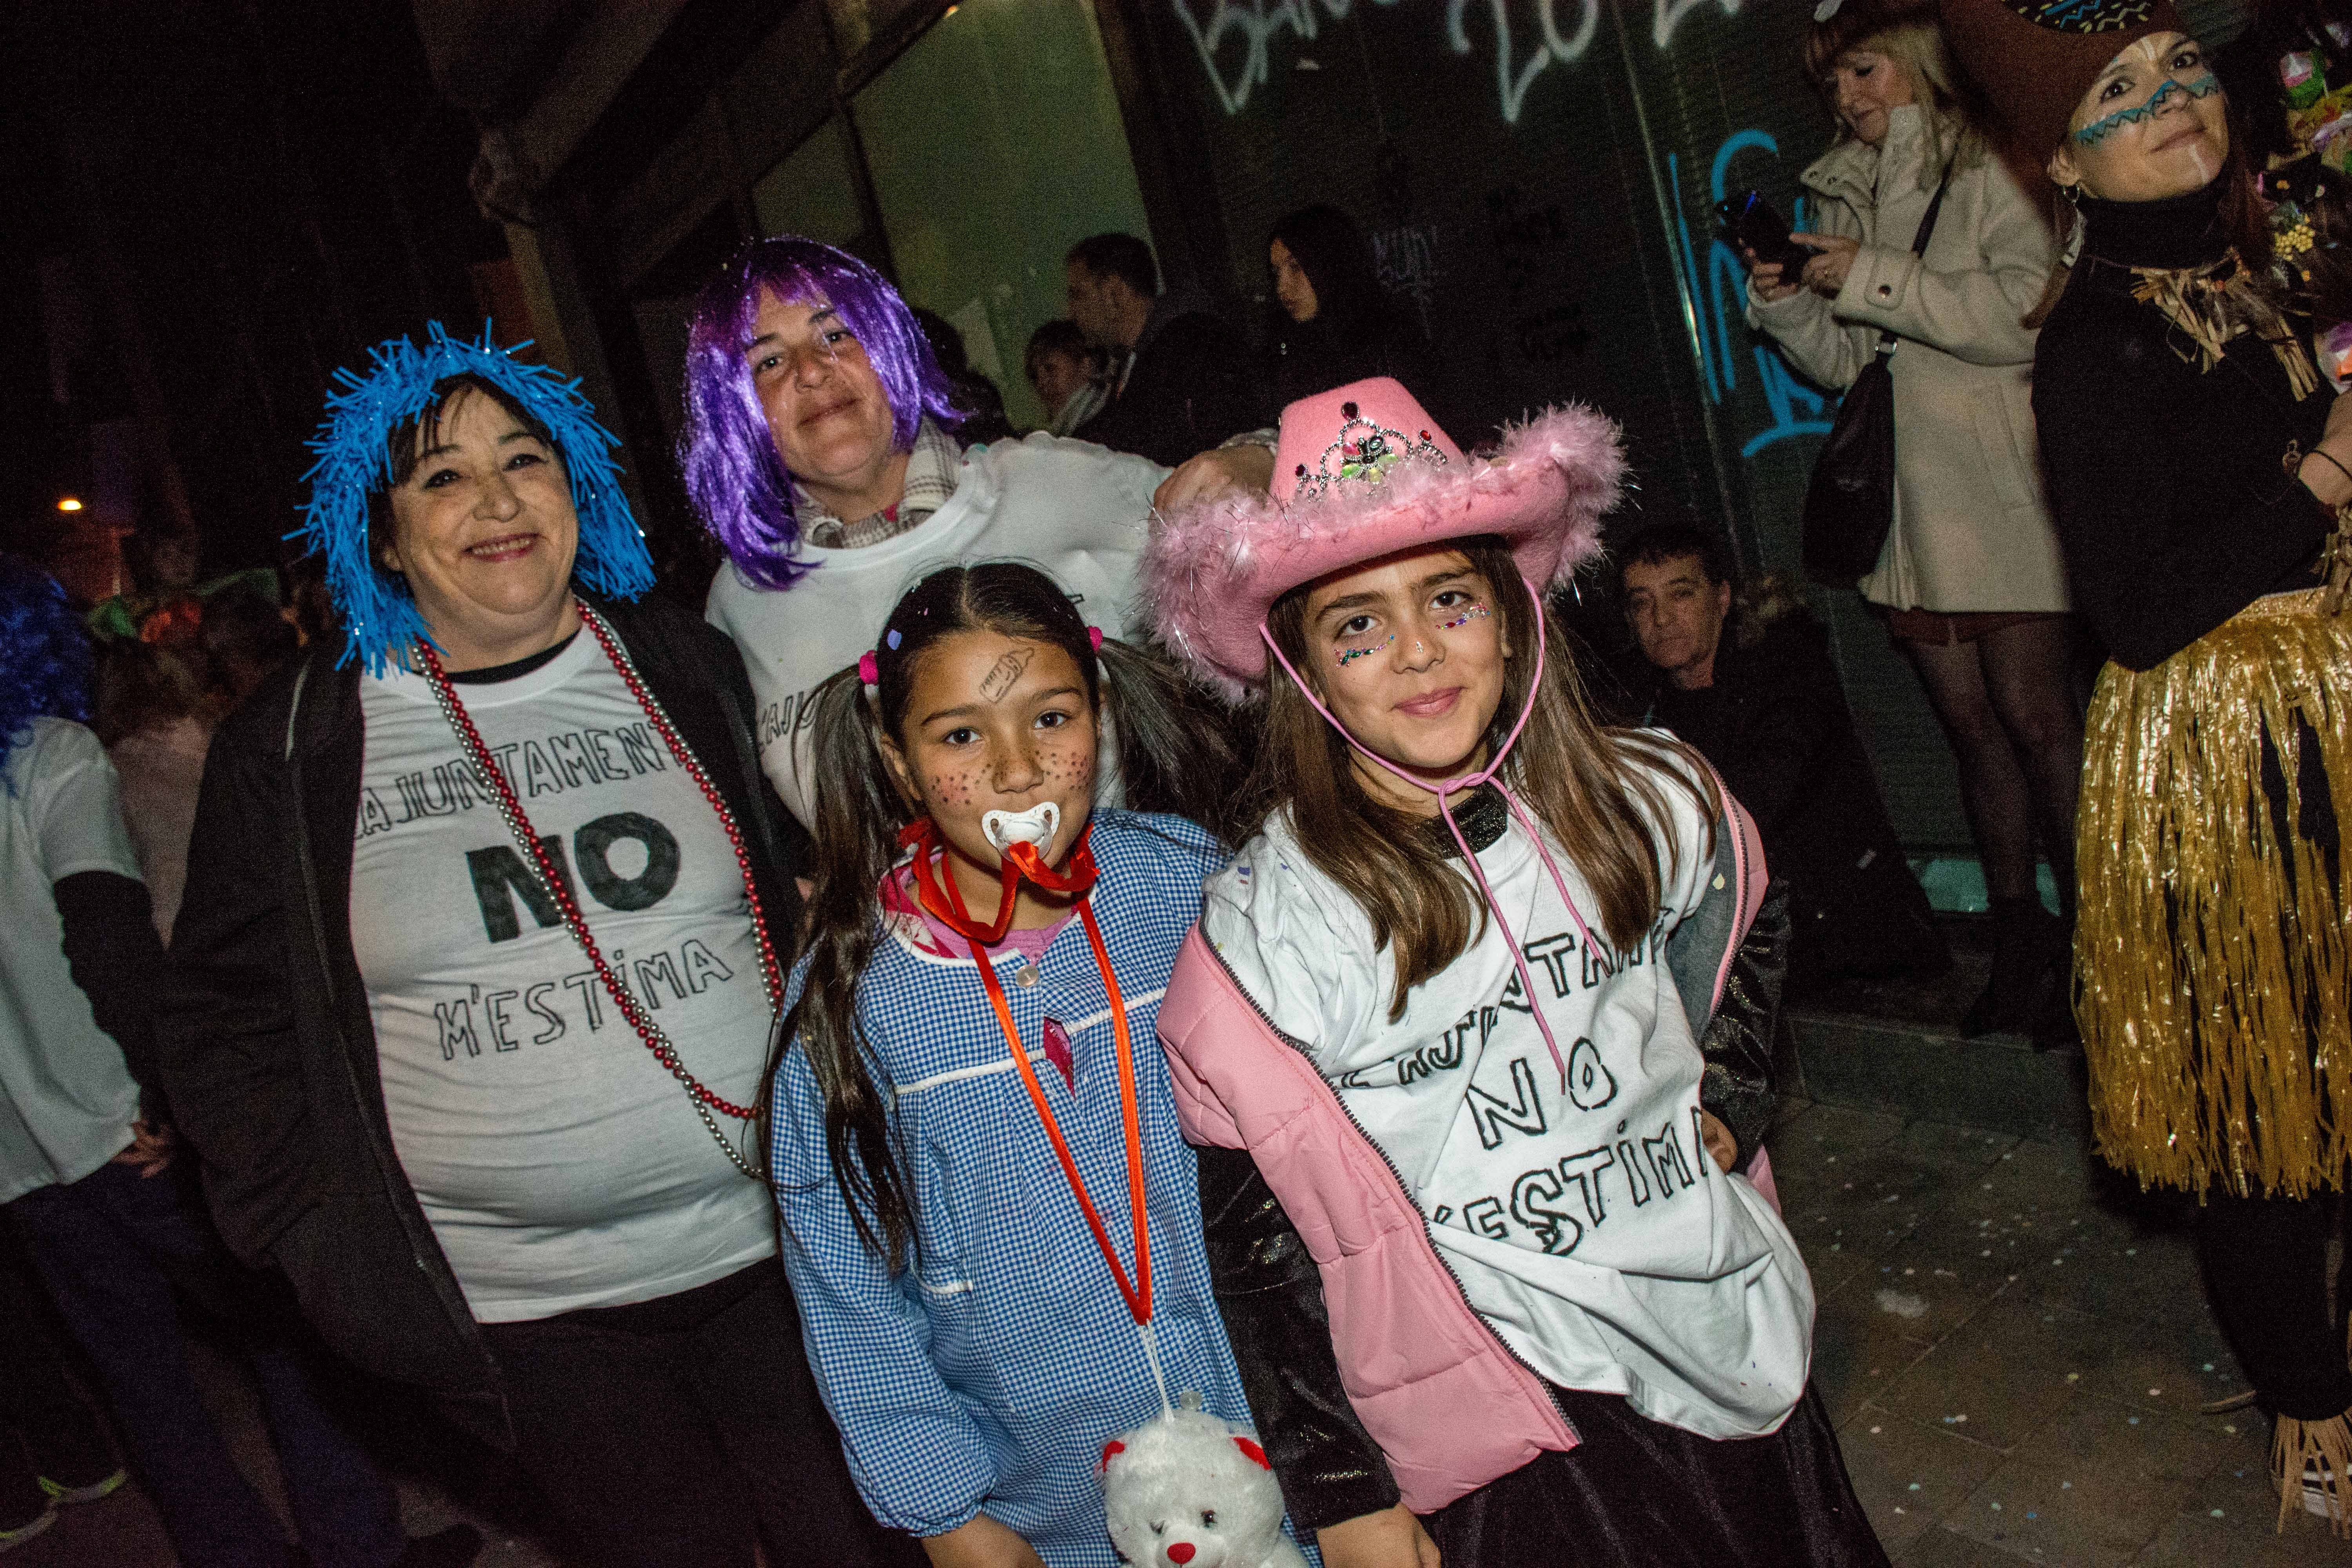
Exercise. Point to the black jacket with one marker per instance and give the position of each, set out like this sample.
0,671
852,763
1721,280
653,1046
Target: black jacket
1193,383
1775,723
2169,485
268,1051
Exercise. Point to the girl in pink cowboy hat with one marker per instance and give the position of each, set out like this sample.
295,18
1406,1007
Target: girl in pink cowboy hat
1449,1000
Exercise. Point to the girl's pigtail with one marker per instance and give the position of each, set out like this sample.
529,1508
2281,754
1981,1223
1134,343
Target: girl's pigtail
1176,752
858,815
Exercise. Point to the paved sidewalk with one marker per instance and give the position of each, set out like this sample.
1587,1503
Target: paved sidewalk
2015,1348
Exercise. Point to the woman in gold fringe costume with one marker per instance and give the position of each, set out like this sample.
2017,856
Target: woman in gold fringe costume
2197,463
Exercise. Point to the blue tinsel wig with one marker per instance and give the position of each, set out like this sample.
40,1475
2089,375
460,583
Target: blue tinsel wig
354,447
44,659
733,472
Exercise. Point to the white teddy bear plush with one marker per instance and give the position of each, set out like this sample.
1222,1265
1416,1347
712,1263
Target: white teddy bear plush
1190,1490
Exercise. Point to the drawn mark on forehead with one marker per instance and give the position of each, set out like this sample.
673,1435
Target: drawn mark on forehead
998,683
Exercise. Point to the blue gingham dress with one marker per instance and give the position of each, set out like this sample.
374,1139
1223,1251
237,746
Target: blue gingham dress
988,1376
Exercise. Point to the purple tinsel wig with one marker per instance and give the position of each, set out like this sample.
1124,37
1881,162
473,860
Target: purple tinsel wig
45,658
733,471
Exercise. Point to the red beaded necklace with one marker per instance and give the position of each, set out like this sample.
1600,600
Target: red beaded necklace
700,1095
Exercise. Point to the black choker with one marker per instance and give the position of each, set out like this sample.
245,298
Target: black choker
1482,819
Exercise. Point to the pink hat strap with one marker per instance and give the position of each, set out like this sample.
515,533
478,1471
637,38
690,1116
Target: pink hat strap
1491,773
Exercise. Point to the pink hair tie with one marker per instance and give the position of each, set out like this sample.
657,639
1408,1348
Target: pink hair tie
869,668
1094,639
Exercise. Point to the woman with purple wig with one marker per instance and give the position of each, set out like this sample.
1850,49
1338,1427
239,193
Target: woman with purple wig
820,451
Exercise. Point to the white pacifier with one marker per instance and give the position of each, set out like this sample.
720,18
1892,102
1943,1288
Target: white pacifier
1035,827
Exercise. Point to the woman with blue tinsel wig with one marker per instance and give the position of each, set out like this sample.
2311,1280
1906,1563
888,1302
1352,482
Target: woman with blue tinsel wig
485,931
109,1218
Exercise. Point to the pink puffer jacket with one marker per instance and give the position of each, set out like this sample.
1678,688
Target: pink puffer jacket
1449,1405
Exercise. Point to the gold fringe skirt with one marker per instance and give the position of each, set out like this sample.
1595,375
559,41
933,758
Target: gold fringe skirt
2211,983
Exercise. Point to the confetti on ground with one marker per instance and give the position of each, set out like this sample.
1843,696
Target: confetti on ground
2135,1420
2073,1377
1875,1430
1902,1304
2217,1513
2208,1367
2065,1486
2232,1431
1915,1485
1995,1507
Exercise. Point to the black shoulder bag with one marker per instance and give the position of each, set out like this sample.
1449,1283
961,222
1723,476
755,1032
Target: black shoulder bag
1850,505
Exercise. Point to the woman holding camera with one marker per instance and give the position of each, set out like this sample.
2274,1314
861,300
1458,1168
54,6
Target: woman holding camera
1969,581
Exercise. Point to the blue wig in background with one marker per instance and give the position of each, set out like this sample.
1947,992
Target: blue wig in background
45,658
354,448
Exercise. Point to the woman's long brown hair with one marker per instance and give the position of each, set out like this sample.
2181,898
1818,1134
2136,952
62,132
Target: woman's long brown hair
1597,789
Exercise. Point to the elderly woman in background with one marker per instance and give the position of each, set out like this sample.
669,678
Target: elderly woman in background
1970,580
2201,471
473,981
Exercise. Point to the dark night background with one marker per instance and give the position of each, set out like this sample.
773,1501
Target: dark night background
208,208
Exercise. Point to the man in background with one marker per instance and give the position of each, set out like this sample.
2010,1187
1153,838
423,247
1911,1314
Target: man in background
1181,379
1747,679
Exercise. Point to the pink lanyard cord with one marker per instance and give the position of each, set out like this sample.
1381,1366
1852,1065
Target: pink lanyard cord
1490,774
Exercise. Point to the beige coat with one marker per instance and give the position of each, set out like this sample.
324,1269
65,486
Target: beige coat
1971,525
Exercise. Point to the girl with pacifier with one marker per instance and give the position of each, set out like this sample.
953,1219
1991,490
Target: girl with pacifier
990,1218
1450,999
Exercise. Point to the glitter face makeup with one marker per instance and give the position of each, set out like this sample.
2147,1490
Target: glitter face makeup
1349,655
1475,612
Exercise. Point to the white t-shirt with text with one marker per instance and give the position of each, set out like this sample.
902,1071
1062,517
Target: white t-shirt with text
1585,1220
560,1164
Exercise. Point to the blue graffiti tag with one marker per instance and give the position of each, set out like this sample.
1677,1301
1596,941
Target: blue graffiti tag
1717,296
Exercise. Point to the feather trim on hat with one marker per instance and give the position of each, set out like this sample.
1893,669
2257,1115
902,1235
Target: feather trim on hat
1213,571
354,461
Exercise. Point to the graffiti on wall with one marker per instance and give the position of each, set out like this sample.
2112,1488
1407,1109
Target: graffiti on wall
1236,39
1718,290
1405,257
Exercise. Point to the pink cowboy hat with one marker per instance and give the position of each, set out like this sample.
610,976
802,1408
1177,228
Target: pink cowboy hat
1363,472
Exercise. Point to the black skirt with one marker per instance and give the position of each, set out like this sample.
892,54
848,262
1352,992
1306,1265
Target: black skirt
1636,1493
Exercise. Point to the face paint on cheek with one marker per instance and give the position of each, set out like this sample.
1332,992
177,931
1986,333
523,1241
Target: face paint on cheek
2098,131
1475,612
1351,654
